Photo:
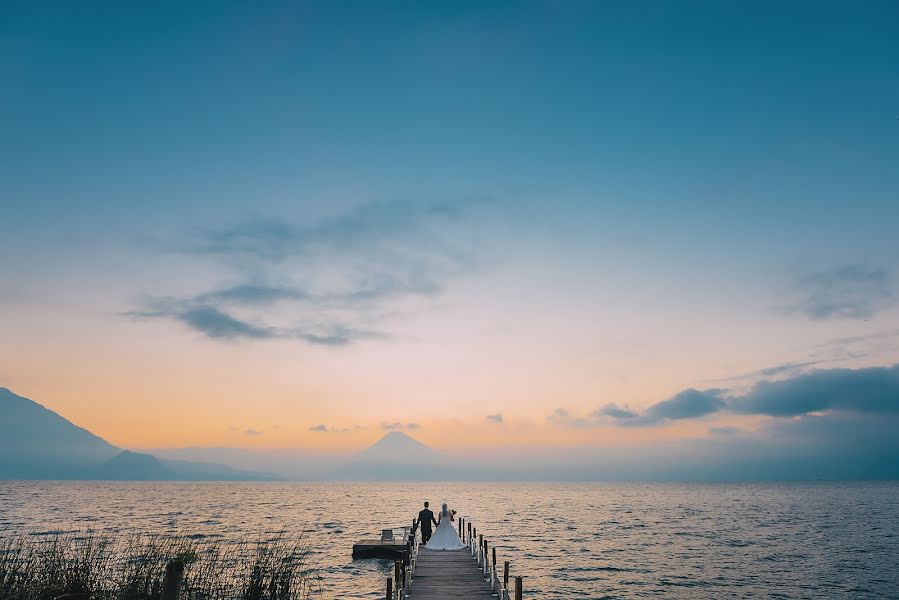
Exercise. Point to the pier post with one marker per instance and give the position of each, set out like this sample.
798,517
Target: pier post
518,591
486,560
171,583
403,571
493,578
389,589
506,575
460,528
397,565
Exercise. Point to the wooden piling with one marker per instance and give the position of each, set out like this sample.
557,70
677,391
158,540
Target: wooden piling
171,582
493,562
506,575
389,589
518,586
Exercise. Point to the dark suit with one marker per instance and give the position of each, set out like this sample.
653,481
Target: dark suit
425,518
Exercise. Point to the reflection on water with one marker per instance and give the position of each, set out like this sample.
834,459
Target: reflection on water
569,540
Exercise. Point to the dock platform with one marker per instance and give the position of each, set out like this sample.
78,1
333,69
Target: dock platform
393,545
448,575
379,549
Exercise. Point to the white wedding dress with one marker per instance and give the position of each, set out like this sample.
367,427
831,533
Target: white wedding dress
445,536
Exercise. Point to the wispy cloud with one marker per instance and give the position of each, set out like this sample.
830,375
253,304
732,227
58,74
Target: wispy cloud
326,429
848,292
396,426
328,283
496,418
559,415
376,225
253,432
787,368
214,323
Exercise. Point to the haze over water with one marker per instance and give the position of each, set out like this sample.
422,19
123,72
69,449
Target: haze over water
573,540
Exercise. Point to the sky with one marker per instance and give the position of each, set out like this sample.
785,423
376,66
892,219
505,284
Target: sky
566,225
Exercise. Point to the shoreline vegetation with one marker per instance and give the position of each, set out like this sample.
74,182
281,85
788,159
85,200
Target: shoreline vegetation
100,566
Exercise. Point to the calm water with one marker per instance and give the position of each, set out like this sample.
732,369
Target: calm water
802,540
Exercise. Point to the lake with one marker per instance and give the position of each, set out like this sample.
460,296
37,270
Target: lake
569,540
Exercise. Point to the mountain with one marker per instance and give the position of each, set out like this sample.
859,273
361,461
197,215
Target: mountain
295,464
37,443
127,465
187,470
396,456
397,447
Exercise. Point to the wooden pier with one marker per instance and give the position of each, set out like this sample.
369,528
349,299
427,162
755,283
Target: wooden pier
442,575
472,572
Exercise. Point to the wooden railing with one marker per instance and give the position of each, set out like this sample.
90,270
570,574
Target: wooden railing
400,585
481,552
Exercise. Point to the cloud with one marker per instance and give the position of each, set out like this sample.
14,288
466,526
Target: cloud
327,283
215,323
874,389
869,390
560,415
497,418
788,368
396,425
367,226
253,432
250,294
688,404
615,411
848,292
326,429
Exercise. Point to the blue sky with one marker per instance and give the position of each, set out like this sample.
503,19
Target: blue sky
510,208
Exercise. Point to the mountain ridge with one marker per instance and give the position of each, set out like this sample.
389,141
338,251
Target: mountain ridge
39,443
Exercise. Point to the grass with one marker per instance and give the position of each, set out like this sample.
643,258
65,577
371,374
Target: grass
103,567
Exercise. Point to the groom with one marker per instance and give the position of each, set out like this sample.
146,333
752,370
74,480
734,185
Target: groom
425,518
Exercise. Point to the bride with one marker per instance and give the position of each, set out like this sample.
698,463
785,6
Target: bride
445,536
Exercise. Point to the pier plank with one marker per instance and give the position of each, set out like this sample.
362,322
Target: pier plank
448,575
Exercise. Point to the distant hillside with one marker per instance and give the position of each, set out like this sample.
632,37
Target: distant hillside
131,466
37,443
